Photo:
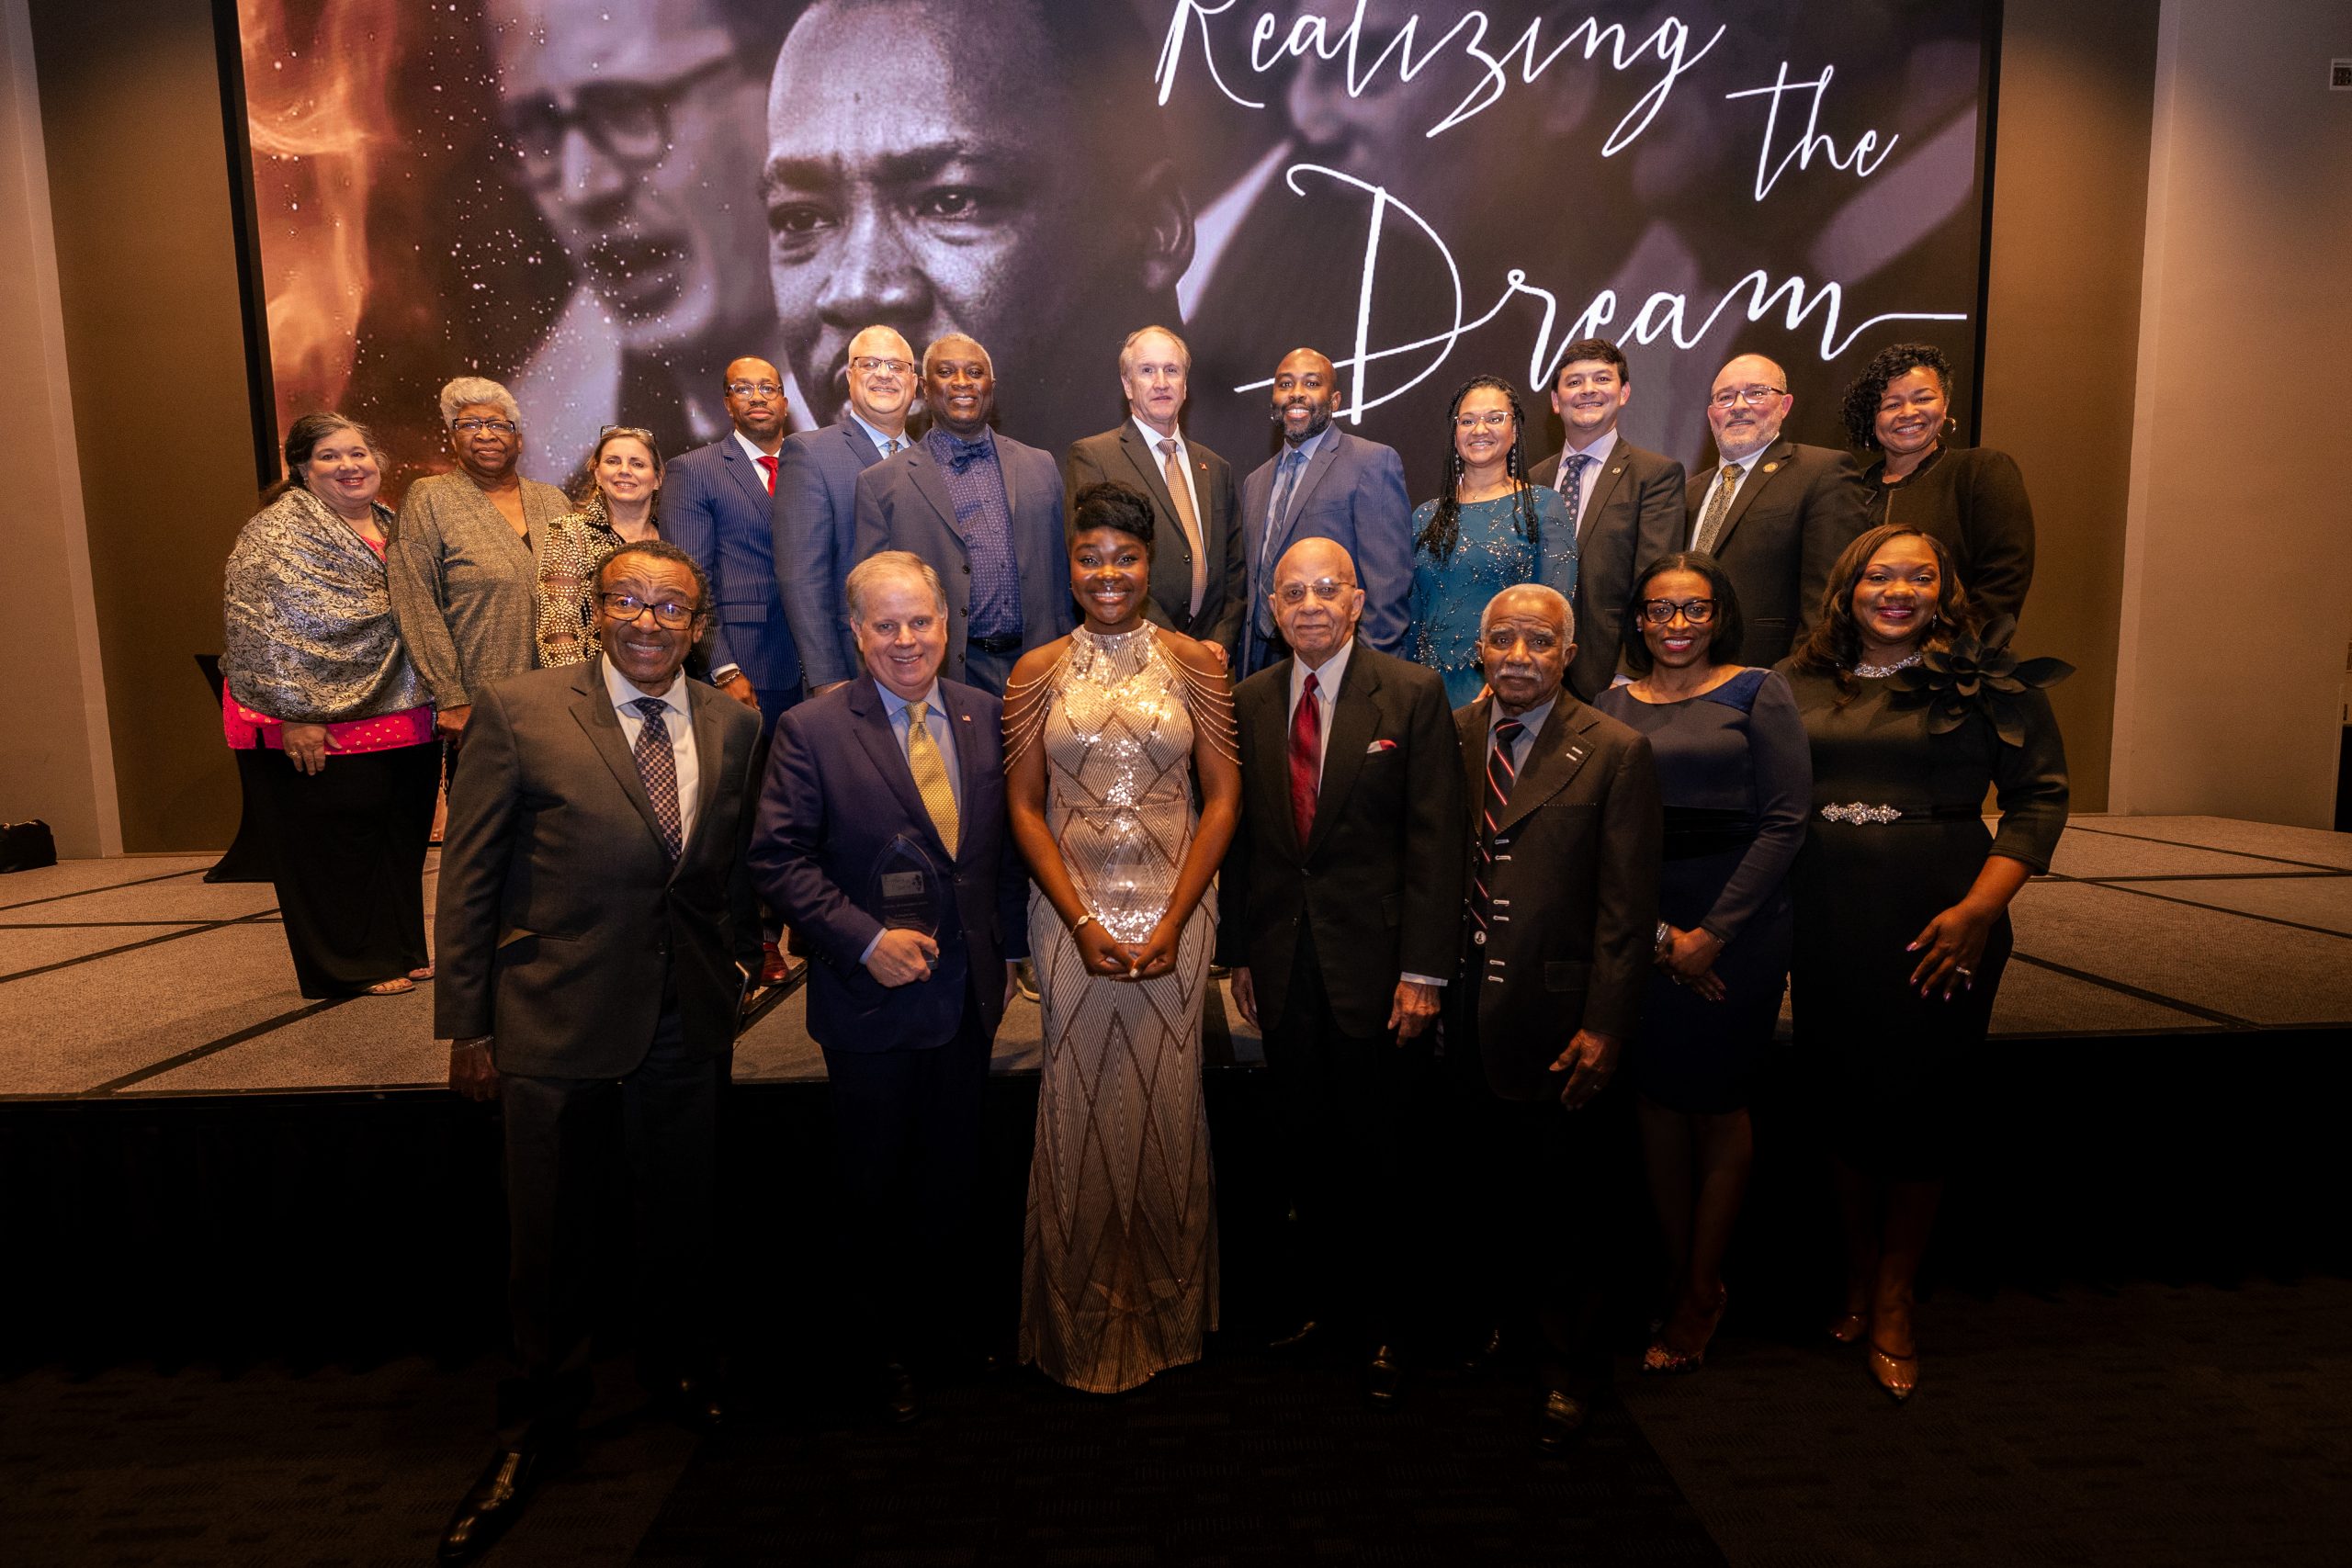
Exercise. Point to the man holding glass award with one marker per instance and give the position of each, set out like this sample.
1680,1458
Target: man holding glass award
882,841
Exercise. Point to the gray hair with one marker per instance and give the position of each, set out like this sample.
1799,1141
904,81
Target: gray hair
902,564
468,390
932,347
1183,350
1545,591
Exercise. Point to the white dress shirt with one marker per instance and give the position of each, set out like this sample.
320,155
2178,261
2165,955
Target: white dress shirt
679,721
1747,466
881,440
1152,439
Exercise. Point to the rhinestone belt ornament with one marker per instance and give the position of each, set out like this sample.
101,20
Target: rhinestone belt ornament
1857,813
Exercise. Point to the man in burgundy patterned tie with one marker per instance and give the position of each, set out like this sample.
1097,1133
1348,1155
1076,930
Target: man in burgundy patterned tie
1557,934
1341,899
596,930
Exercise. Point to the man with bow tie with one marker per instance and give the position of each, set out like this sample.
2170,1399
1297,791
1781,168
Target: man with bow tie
981,509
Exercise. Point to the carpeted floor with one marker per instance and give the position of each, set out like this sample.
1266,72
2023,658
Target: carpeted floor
2154,1426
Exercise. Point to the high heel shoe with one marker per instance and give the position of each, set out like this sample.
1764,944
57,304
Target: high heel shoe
1899,1375
1664,1359
1849,1327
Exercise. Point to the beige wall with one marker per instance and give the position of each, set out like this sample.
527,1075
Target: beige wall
2237,568
59,765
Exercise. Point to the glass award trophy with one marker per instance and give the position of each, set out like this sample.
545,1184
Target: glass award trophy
908,887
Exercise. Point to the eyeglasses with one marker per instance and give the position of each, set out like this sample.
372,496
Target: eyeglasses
1493,419
1661,612
872,365
1732,397
624,608
476,426
753,389
1326,589
626,121
1502,639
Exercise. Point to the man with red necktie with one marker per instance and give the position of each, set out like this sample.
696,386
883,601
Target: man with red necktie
1341,903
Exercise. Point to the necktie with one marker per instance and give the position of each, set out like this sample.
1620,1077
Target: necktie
767,472
657,766
961,453
891,448
1285,481
1711,523
1305,760
1572,484
1500,774
930,770
1182,495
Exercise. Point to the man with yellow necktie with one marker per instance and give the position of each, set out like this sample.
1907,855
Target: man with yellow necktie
882,838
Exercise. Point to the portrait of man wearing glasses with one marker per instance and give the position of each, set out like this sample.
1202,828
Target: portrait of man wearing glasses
1773,511
638,132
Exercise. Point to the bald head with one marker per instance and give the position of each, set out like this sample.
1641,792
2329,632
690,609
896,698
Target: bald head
755,401
1758,393
1307,394
958,385
1317,602
882,394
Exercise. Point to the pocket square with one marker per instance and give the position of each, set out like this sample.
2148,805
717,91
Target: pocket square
1379,746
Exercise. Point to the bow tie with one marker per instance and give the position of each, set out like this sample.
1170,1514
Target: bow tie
962,454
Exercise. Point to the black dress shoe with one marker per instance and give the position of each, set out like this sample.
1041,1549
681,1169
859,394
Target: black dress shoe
495,1503
1308,1333
695,1403
898,1393
1383,1377
1559,1422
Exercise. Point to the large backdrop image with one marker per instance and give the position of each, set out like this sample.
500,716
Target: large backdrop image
601,204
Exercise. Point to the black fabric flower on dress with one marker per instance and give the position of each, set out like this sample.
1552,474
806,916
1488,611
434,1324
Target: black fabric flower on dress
1979,674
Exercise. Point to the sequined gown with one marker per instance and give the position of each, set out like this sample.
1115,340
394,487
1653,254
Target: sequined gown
1119,1260
1490,555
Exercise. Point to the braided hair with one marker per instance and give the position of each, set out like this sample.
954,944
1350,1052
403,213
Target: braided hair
1443,531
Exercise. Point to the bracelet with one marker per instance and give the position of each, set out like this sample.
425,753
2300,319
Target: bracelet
1664,931
1080,924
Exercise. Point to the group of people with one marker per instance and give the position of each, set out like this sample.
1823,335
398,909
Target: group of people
1577,765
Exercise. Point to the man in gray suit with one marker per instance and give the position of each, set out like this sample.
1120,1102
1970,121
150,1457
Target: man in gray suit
815,501
596,927
1775,513
1199,581
1326,484
1627,503
983,510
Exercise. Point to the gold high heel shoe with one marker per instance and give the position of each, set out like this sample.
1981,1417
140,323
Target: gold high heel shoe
1663,1358
1899,1375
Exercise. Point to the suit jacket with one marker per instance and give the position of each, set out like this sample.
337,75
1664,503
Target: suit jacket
1575,879
1796,509
838,795
1636,513
714,506
903,505
561,911
1379,879
1123,455
816,538
1353,491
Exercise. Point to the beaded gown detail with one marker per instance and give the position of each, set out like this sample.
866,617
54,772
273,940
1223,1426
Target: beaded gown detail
1119,1259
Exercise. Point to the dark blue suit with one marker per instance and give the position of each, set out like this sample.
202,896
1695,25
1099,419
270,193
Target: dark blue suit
816,528
907,1062
714,506
1353,493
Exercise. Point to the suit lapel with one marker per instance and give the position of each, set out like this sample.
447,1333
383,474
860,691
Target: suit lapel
1316,467
967,764
1004,476
881,743
1356,712
746,472
1472,730
1560,751
933,486
1770,461
1146,466
1272,720
702,705
592,705
861,445
1603,487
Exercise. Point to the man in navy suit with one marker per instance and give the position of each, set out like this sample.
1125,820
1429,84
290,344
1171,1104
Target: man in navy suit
715,506
815,501
882,836
981,509
1327,484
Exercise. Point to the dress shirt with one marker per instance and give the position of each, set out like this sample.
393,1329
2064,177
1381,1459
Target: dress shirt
881,441
1267,559
1598,452
1747,465
751,450
1152,439
940,723
679,721
1533,718
984,518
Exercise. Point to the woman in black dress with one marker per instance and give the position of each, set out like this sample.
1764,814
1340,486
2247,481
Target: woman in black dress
1738,782
1902,897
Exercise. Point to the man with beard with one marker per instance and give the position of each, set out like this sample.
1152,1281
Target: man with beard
1326,484
935,170
1775,513
639,129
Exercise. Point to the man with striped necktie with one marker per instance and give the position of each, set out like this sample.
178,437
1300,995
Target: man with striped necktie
1558,931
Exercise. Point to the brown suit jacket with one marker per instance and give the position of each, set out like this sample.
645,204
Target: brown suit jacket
1796,509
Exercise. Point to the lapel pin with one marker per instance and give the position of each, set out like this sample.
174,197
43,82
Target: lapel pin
1770,466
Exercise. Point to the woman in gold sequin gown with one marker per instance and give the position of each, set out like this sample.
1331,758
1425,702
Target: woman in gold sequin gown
1104,731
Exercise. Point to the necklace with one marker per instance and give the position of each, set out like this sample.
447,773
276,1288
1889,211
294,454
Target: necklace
1875,672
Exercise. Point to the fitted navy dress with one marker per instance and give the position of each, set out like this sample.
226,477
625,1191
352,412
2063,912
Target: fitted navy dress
1737,781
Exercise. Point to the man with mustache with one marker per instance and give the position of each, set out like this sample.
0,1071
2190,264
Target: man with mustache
1775,513
1326,484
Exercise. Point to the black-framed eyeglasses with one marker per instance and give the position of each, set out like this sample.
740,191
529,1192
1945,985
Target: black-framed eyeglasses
1661,612
476,426
1731,396
624,608
873,364
1325,588
753,389
626,121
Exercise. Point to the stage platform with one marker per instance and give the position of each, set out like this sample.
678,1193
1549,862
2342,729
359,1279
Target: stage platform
134,976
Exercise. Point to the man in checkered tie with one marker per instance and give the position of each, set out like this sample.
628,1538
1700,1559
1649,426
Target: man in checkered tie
594,934
1566,829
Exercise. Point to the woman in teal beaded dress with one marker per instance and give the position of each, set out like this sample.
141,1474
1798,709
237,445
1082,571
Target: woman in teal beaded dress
1490,530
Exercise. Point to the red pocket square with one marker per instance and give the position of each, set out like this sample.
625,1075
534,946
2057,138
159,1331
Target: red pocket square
1380,746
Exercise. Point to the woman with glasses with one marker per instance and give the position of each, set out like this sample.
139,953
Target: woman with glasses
1970,498
1902,897
1737,781
464,557
1490,530
624,478
317,683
